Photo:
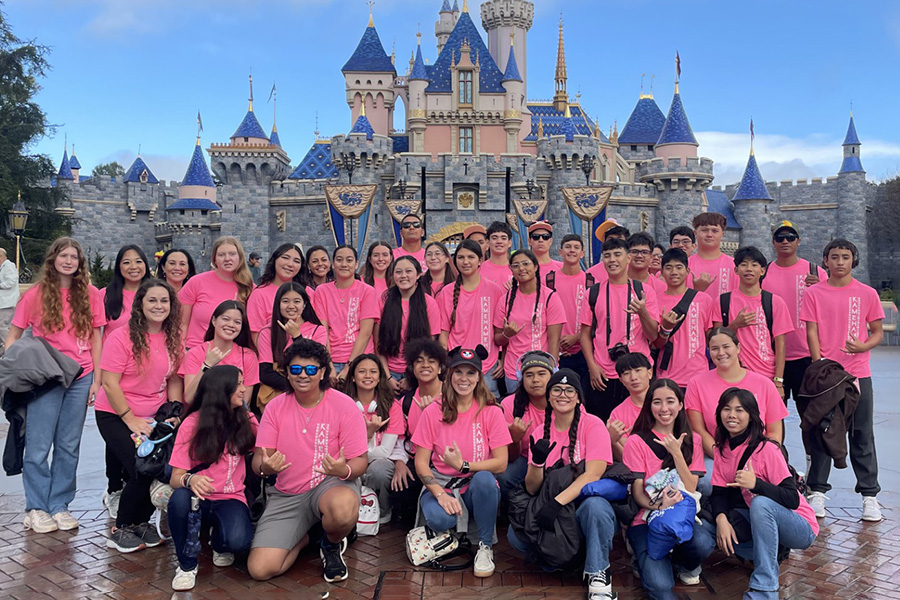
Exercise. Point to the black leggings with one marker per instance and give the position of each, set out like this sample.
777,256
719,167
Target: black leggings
135,506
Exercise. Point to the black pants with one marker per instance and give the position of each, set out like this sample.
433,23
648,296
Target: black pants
601,404
794,370
135,506
577,363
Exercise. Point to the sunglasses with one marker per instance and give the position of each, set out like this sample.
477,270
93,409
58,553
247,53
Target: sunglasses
310,370
786,237
411,225
541,236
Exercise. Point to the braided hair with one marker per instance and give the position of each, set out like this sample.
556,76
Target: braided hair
471,246
573,429
515,284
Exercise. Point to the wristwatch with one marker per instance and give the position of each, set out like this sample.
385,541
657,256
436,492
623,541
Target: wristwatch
465,468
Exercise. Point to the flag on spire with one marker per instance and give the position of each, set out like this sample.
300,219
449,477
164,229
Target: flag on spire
271,93
752,135
199,124
677,66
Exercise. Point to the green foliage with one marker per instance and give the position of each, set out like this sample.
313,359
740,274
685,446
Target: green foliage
113,169
100,275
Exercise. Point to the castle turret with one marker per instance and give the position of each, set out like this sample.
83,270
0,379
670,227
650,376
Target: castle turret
362,125
198,186
501,19
194,220
273,138
752,203
74,165
139,172
418,103
515,105
369,76
561,96
443,27
676,140
854,198
638,138
851,162
249,132
65,168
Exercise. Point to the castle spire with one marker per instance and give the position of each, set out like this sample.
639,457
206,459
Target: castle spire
371,20
512,68
752,185
561,97
851,147
251,93
465,6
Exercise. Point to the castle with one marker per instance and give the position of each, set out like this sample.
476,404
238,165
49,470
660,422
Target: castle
473,144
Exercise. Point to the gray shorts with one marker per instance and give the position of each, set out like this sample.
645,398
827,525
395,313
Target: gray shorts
289,517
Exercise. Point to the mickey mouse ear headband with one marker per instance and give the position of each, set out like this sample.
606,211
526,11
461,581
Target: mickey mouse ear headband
468,356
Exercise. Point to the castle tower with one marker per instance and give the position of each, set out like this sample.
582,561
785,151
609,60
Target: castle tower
560,97
139,172
502,18
369,76
638,138
74,165
751,202
676,140
197,187
274,139
418,104
249,132
65,168
854,195
515,89
851,146
444,25
195,219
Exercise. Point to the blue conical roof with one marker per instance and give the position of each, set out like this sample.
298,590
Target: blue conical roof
362,125
512,69
369,56
445,7
418,70
73,161
851,139
137,167
568,128
455,5
316,164
274,139
645,123
440,73
250,127
752,186
851,164
677,128
65,168
197,172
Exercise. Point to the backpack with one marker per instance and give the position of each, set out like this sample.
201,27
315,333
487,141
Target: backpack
725,307
592,302
369,512
550,280
680,309
798,479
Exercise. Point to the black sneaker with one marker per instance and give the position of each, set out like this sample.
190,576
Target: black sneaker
600,586
148,535
124,540
333,560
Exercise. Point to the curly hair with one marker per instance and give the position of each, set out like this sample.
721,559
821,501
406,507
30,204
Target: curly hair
171,327
515,284
80,313
242,275
310,349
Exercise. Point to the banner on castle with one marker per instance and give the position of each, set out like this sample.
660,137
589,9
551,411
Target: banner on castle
528,211
588,205
513,221
347,203
399,209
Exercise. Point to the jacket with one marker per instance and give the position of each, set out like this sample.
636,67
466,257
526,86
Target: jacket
826,402
30,368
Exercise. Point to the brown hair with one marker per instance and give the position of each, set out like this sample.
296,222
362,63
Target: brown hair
242,276
709,219
137,325
481,396
79,293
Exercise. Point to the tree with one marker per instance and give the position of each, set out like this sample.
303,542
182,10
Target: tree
22,123
113,169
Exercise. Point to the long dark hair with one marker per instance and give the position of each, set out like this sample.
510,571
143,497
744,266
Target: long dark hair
755,428
308,279
471,246
383,395
171,327
243,338
645,422
278,336
573,428
160,268
417,325
368,272
268,275
220,427
515,284
113,300
448,271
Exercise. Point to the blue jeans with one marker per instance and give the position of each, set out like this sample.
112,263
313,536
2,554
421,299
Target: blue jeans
491,383
656,575
54,420
230,520
598,526
482,499
513,476
511,385
704,484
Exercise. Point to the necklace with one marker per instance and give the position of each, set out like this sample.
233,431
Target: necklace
343,294
312,414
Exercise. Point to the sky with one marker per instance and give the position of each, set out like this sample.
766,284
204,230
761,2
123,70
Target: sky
132,74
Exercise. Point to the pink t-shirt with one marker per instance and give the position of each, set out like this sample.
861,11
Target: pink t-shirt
419,255
618,302
242,358
550,267
789,284
145,390
261,303
757,351
310,331
203,293
721,268
659,286
704,390
533,335
474,317
437,286
573,294
689,342
395,425
592,441
627,412
841,312
343,310
415,412
598,272
397,364
533,414
227,473
638,457
499,274
124,316
478,431
380,286
28,314
768,464
306,435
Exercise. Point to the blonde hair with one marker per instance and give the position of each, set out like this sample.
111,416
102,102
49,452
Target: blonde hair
242,276
80,313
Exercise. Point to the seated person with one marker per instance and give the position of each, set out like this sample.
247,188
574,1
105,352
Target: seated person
635,373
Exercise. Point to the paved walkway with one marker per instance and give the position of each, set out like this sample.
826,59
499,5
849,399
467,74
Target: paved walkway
850,559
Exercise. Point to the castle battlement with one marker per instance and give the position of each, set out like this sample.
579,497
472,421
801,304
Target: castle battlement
673,166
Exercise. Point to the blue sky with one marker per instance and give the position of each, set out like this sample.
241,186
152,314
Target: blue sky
133,73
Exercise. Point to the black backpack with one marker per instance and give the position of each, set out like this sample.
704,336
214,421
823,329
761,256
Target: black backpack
680,309
594,294
725,307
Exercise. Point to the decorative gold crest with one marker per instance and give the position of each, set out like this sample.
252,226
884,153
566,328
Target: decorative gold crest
587,202
350,201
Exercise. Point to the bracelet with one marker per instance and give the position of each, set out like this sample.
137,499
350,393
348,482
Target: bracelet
349,473
205,367
778,379
665,332
187,483
127,410
183,482
503,333
439,495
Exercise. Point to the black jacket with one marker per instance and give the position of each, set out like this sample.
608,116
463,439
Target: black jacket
826,403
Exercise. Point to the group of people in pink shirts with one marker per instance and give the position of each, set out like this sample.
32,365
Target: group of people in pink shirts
448,383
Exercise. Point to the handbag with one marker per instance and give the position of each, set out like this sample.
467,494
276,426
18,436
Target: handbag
426,548
369,512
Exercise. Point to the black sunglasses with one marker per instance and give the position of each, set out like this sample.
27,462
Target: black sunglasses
411,225
310,370
541,236
786,237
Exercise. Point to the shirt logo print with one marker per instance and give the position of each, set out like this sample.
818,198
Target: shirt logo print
320,450
854,316
231,468
724,279
479,451
487,328
694,334
352,320
761,333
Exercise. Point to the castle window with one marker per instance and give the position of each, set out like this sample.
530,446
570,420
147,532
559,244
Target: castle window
246,139
465,87
649,148
465,140
634,148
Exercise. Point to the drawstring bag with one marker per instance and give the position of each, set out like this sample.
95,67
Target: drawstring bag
369,512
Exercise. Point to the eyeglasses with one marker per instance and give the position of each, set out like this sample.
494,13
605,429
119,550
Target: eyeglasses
786,237
559,391
434,254
310,370
639,252
541,236
520,265
411,225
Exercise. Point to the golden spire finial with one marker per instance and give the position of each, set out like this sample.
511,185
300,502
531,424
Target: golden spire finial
540,131
512,38
465,6
251,93
362,108
568,112
560,98
371,20
614,138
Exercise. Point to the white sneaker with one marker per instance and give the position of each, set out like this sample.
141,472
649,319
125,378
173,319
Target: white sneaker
223,559
65,521
817,503
690,577
484,561
184,580
111,502
40,521
600,586
871,509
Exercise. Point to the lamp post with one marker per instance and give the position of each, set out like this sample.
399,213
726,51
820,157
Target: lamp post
349,161
18,218
529,186
587,165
